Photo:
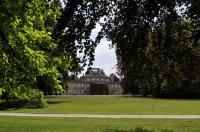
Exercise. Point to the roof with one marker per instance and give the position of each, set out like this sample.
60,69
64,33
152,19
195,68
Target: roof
95,73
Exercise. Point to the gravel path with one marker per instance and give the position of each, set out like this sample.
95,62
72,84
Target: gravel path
100,116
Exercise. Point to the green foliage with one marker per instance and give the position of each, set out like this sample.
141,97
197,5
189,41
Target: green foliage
157,47
178,56
74,28
27,51
30,97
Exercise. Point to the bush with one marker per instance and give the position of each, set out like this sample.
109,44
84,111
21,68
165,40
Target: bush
24,98
185,91
36,99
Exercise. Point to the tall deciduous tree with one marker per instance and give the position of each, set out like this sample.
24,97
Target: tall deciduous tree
26,50
156,45
74,28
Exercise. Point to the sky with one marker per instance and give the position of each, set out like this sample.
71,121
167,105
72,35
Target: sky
105,57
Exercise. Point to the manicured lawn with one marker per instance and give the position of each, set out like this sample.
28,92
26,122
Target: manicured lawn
116,105
38,124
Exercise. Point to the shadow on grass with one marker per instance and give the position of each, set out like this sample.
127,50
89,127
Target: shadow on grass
8,105
139,129
57,102
157,98
134,96
134,130
11,105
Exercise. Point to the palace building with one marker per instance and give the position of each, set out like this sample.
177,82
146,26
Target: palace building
95,82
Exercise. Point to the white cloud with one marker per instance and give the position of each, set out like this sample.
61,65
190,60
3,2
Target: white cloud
105,57
97,29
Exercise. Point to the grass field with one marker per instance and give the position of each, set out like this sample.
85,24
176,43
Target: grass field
105,105
38,124
116,105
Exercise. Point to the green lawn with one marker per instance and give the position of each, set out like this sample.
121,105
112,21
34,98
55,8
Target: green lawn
38,124
116,105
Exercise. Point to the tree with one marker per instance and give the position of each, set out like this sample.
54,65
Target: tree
26,50
74,28
156,45
114,77
149,37
175,63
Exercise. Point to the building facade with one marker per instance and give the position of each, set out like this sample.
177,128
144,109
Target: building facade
95,76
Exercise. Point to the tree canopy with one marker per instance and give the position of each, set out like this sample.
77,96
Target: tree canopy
27,50
156,42
157,46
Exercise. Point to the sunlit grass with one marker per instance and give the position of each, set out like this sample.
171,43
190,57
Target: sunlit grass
38,124
116,105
